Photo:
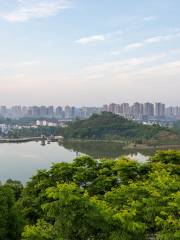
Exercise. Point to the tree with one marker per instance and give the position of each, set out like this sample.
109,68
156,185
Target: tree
41,231
11,222
16,186
104,200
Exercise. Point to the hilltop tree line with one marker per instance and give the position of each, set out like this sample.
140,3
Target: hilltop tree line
90,199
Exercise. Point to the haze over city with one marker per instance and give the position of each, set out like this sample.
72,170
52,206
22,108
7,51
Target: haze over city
89,53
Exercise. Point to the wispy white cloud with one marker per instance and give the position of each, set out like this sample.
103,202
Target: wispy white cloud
150,18
100,37
91,39
134,45
29,9
151,40
158,39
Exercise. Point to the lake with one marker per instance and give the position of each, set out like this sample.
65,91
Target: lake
21,161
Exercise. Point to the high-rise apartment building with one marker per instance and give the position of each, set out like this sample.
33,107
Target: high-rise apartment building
50,111
159,110
125,108
24,111
112,108
16,111
105,108
137,110
35,111
3,110
59,112
43,111
148,109
67,112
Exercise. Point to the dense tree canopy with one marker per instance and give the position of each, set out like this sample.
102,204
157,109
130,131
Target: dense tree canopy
90,199
11,221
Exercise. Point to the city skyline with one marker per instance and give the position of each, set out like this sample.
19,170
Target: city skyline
75,51
139,111
87,105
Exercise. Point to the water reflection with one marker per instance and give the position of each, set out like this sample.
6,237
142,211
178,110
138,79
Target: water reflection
106,150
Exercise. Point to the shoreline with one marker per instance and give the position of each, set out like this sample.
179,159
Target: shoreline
21,140
29,139
124,145
127,146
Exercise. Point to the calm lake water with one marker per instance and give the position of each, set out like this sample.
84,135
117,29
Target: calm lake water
21,161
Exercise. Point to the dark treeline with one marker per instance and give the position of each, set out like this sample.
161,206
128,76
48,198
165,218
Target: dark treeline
35,132
95,199
20,121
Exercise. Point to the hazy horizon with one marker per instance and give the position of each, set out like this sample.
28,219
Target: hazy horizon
89,53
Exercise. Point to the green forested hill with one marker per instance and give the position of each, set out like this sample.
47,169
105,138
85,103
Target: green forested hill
113,127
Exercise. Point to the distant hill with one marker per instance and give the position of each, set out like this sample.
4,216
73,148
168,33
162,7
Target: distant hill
108,126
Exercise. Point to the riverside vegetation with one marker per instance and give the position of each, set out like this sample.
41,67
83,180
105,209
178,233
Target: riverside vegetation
92,199
107,127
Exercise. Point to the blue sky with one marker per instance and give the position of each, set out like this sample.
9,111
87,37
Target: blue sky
82,52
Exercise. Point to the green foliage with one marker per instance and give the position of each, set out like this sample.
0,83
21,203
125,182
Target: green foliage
130,170
170,156
10,221
41,231
90,199
16,187
77,216
113,127
33,196
105,200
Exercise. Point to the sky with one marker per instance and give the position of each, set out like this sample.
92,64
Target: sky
89,53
